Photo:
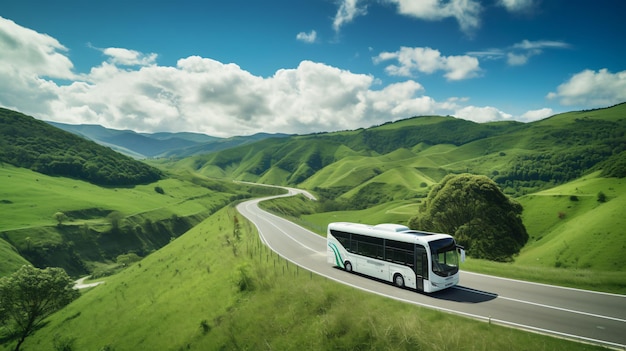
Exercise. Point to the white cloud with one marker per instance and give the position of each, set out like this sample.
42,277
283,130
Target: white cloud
26,52
535,115
205,95
121,56
348,10
540,44
516,5
518,54
482,114
428,61
309,37
130,90
517,59
466,12
592,89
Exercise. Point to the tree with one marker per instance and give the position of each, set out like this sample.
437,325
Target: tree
30,295
60,217
115,218
474,210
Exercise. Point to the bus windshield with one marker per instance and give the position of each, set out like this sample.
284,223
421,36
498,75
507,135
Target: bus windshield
445,257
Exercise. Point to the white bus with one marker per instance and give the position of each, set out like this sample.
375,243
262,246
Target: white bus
414,259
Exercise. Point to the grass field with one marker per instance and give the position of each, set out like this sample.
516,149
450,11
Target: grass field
209,291
30,199
149,218
570,228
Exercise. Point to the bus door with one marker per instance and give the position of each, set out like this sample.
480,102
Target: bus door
421,266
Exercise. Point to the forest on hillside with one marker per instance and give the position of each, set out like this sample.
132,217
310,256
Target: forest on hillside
30,143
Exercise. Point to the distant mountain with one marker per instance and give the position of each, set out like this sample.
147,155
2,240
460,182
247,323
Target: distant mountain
30,143
162,144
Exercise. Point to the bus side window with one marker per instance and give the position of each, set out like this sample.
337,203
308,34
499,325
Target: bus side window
342,237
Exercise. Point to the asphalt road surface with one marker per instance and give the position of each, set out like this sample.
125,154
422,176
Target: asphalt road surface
581,315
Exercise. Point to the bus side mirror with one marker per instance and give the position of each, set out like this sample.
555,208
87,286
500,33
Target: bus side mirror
461,252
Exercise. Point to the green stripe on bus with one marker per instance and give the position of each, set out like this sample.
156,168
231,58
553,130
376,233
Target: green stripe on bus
338,259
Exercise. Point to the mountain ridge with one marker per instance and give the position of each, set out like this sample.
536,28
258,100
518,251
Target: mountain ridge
520,157
141,145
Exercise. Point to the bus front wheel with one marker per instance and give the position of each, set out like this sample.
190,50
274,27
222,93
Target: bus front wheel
398,279
348,266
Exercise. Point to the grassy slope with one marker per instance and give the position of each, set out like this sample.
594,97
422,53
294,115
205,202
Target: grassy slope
576,234
35,198
29,200
11,259
196,294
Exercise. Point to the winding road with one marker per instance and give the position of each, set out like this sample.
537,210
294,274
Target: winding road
586,316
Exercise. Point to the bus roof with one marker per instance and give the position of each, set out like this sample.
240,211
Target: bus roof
388,231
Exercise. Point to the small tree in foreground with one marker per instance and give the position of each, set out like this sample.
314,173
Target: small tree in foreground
30,295
475,211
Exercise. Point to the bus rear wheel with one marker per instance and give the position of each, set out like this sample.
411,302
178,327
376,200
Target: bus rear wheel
348,266
398,279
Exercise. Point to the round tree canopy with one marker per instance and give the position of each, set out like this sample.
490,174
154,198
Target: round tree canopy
474,210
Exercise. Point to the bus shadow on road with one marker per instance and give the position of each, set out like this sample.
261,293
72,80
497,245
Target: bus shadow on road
464,295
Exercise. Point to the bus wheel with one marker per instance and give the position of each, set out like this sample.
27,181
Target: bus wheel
348,266
398,280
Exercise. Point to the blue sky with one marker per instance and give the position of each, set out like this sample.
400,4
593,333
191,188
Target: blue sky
300,66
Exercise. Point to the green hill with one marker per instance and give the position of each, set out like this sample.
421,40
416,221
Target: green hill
149,216
572,229
521,158
30,143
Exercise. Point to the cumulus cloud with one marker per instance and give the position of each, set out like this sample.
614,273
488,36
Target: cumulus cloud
466,12
428,61
205,95
535,115
592,89
121,56
26,52
482,114
130,90
309,37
